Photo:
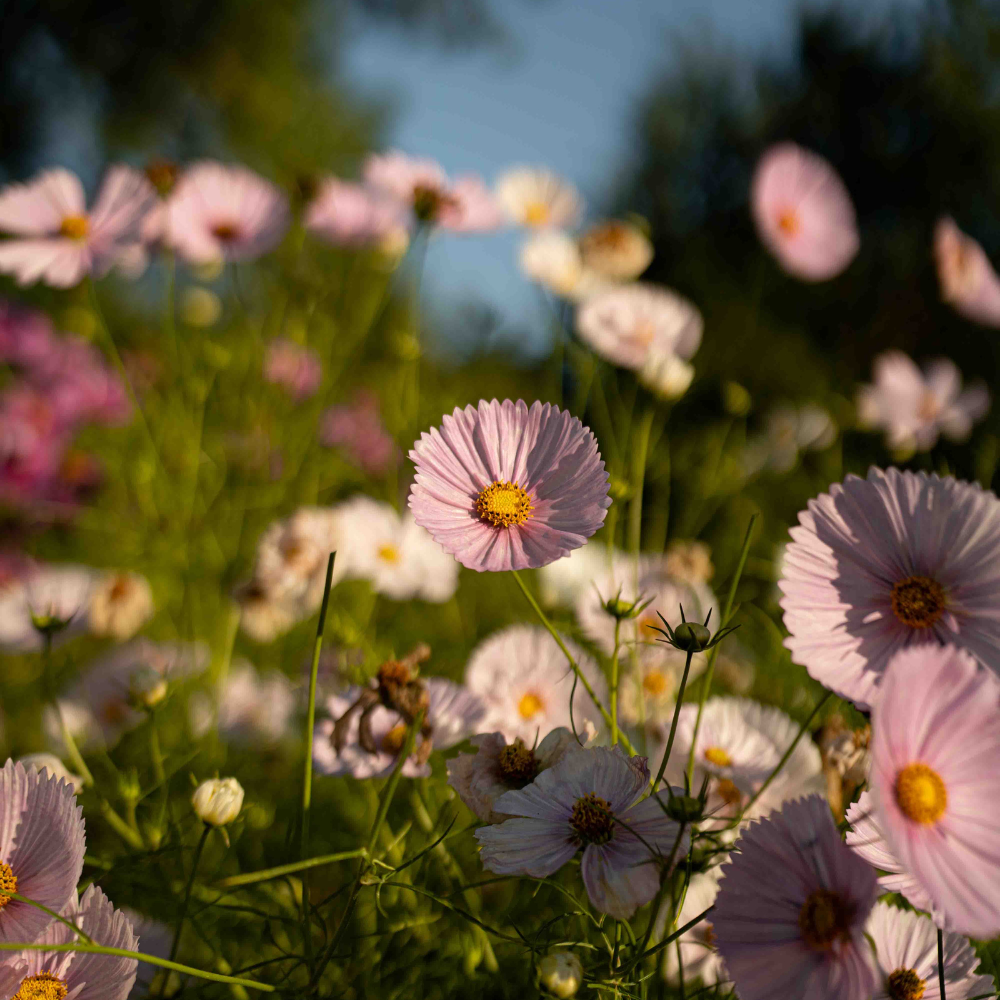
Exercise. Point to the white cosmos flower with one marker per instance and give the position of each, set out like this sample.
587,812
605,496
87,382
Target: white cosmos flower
697,946
629,324
396,555
121,603
525,681
617,250
563,581
253,708
51,763
551,258
537,198
59,593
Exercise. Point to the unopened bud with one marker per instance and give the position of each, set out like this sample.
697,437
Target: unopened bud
692,636
218,801
560,973
147,687
684,808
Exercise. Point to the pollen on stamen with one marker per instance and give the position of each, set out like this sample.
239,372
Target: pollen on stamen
44,986
918,601
75,227
504,504
921,793
8,883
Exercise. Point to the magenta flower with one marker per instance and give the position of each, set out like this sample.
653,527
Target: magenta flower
41,848
33,440
503,486
914,406
423,189
357,428
27,339
935,782
968,280
295,368
48,975
790,916
878,564
803,213
222,213
592,800
349,214
56,239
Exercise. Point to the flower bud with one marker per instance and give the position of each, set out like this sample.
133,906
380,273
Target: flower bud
218,801
560,973
147,687
684,808
691,636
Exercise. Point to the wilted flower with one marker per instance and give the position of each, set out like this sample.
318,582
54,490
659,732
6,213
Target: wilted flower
56,239
560,973
634,323
52,601
295,368
537,198
531,489
357,428
218,801
968,280
349,214
120,604
803,213
591,800
869,572
913,407
617,250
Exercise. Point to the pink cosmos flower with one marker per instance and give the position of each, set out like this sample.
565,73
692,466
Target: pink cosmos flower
26,337
82,976
351,215
33,440
357,428
56,239
80,386
894,560
424,189
454,714
222,213
41,848
591,800
503,486
968,280
907,961
935,781
294,367
803,213
790,916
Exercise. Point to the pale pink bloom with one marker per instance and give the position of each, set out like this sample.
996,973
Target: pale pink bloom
49,594
935,781
790,916
454,714
552,258
803,213
907,961
617,250
81,975
80,385
537,198
424,189
968,280
56,239
894,560
295,368
913,407
357,428
504,487
630,324
349,214
253,708
591,800
26,337
498,766
41,848
525,681
33,441
222,213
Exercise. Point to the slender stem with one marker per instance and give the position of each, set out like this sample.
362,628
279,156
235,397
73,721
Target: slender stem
638,481
72,750
130,836
51,913
587,686
250,878
673,722
940,949
187,891
706,681
614,683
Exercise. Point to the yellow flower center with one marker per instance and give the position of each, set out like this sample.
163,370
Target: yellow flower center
530,705
789,222
75,227
825,918
921,793
503,504
718,757
728,792
708,935
8,883
389,554
536,213
393,740
655,683
592,819
905,984
44,986
517,763
918,601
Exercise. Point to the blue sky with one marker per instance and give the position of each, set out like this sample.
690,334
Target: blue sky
565,94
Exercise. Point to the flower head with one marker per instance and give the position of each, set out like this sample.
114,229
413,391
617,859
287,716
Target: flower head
501,486
347,214
592,800
634,323
295,368
968,280
52,600
253,708
617,250
552,258
218,801
56,239
803,213
790,916
120,604
222,213
913,407
357,428
523,677
894,560
560,973
537,198
41,848
935,783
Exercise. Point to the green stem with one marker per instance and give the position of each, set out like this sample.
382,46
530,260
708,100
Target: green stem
587,686
706,682
639,455
673,722
940,950
130,836
51,913
614,683
187,891
265,874
72,750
